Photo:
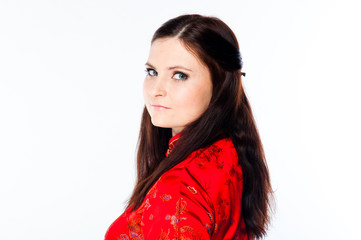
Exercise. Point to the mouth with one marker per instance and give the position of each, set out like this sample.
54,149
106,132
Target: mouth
159,107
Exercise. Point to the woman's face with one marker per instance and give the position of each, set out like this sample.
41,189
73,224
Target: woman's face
177,88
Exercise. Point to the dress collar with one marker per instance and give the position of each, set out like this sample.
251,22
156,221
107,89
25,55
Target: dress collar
172,143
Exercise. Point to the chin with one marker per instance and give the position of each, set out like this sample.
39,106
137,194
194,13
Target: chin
162,124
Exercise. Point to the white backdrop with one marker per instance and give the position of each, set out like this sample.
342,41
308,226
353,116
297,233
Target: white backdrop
71,76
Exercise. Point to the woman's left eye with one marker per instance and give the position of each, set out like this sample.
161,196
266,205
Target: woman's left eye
180,76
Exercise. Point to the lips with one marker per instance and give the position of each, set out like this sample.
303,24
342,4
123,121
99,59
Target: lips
159,107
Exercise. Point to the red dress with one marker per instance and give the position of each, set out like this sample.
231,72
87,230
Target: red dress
200,198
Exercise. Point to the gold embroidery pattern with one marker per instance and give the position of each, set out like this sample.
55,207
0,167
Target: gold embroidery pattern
171,146
192,189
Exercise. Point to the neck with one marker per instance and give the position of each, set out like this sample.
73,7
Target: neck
175,131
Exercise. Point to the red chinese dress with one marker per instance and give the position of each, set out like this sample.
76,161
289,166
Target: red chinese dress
200,198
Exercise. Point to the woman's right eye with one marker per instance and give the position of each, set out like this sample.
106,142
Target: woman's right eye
151,72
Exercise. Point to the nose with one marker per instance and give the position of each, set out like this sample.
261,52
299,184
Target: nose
159,87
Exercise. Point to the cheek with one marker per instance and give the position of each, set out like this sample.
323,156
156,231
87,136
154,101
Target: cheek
193,102
203,103
146,86
146,96
202,99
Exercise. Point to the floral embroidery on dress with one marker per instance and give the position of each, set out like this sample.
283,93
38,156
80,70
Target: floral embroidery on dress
209,155
153,190
135,224
123,237
223,206
192,189
228,182
180,208
175,219
164,235
232,172
166,197
147,204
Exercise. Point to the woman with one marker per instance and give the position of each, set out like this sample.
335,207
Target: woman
201,170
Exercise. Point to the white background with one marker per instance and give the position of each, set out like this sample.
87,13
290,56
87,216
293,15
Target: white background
71,76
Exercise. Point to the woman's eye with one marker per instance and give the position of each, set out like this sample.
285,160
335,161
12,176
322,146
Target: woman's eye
180,76
151,72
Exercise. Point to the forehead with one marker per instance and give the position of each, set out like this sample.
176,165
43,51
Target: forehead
165,52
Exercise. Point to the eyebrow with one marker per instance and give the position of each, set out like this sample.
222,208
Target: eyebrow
170,68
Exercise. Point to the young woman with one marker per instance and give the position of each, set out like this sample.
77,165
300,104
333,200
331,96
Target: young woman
201,170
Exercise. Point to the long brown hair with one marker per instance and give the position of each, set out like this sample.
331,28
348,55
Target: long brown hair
228,115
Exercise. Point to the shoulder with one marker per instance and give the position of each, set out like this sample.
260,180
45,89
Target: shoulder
219,159
220,155
214,169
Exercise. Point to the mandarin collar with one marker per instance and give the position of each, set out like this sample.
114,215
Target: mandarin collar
172,143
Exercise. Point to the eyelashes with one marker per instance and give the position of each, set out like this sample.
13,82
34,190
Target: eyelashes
151,72
176,75
181,75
